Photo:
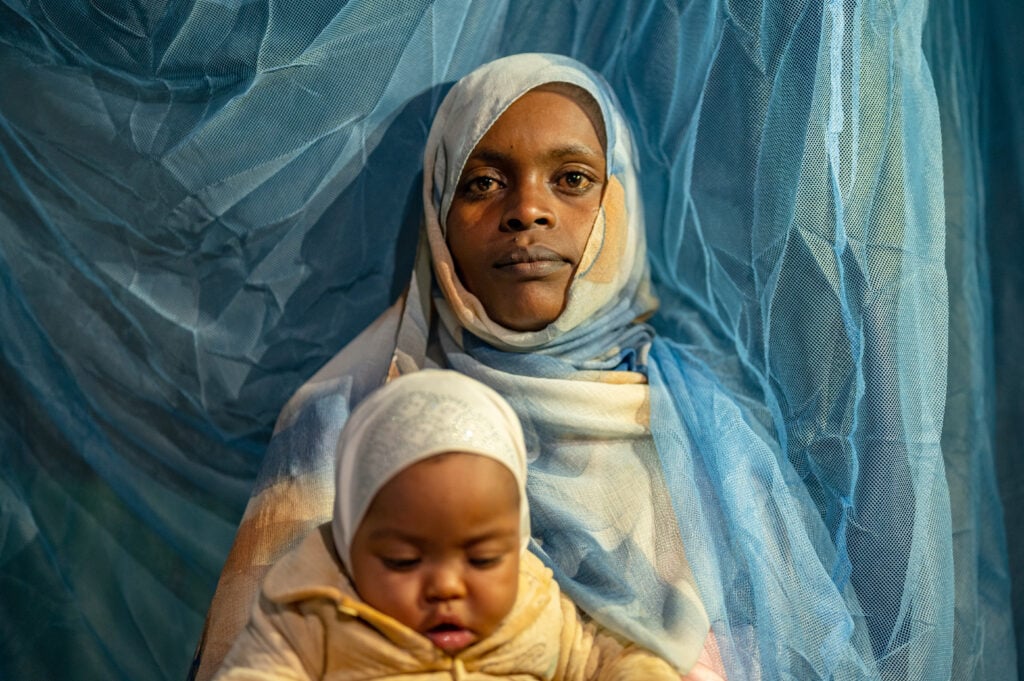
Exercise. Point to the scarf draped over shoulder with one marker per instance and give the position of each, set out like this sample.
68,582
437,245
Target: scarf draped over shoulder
602,515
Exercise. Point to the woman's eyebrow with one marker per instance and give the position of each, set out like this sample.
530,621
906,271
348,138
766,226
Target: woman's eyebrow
489,156
571,150
556,153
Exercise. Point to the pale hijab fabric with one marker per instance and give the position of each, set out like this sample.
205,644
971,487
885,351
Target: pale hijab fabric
638,457
603,519
411,419
611,282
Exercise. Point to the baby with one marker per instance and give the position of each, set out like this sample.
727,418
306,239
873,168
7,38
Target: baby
424,569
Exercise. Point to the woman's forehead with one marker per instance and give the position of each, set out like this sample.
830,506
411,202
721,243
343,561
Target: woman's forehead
543,122
585,100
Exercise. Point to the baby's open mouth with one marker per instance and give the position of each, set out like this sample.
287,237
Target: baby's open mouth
451,638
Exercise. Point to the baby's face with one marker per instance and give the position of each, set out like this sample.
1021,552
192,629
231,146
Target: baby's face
524,207
438,549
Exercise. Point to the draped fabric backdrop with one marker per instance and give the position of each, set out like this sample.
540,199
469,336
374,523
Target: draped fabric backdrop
202,200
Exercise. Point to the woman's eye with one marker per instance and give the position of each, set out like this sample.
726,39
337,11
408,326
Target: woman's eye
576,181
480,186
399,564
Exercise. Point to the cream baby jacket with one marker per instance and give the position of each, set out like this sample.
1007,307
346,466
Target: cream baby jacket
310,624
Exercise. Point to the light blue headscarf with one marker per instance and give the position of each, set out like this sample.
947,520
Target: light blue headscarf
611,288
659,500
602,514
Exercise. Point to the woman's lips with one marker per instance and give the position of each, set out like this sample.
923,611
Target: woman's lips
531,262
451,638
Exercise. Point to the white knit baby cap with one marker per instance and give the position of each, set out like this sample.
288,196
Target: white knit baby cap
412,418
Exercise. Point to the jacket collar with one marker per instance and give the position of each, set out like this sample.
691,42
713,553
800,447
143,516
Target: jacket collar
313,570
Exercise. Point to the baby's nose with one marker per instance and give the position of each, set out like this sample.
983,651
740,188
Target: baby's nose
445,583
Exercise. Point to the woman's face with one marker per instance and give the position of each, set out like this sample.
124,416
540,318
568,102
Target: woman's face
524,206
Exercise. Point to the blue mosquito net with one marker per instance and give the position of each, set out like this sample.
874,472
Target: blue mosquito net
203,200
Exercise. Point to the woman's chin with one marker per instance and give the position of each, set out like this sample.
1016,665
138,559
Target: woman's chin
524,320
527,311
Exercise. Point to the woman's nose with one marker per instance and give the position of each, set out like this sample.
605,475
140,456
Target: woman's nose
528,207
444,583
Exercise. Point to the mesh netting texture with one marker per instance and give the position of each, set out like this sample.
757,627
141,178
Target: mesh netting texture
202,201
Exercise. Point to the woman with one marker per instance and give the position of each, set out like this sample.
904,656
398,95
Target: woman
537,285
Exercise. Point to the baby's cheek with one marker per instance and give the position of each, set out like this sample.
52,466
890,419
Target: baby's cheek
397,597
502,590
